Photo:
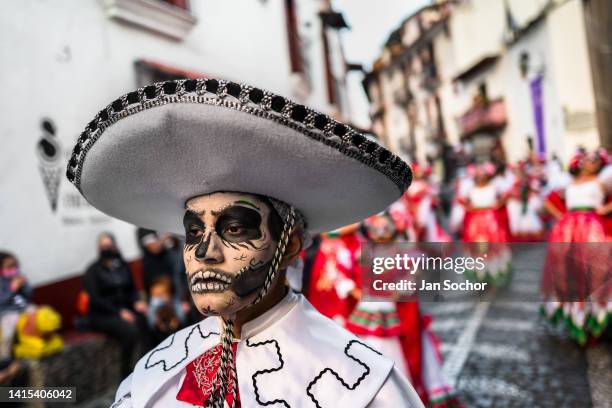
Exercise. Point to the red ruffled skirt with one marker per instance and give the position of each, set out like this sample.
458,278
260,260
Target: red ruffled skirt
486,234
577,278
485,225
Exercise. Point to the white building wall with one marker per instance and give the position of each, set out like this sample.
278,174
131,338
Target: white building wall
519,106
557,50
445,62
573,80
477,30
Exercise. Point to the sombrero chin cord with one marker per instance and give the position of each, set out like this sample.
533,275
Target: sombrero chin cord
227,366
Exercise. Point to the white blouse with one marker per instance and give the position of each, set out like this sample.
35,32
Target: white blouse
589,194
483,197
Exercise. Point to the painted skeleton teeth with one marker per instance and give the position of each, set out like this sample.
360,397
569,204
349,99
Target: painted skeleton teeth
197,284
200,275
196,276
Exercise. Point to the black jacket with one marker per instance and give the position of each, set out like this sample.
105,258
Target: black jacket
109,290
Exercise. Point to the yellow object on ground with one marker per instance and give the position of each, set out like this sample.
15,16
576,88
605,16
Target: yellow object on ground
35,337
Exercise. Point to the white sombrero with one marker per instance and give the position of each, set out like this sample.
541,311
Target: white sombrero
148,152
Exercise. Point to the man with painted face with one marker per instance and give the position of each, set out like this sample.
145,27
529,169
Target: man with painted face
247,176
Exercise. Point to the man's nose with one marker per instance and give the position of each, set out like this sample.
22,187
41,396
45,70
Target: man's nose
209,250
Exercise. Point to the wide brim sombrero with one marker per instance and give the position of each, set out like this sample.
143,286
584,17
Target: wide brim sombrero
148,152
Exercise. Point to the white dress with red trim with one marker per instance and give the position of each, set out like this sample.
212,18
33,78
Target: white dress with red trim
524,207
289,356
605,177
462,187
486,234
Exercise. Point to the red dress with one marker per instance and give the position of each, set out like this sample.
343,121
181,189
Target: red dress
484,224
332,277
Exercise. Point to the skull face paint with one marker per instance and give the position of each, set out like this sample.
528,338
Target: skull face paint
230,239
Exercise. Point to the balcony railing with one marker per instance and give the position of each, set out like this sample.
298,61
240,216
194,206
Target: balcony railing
482,118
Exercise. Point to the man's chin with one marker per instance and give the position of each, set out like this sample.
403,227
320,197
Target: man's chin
216,303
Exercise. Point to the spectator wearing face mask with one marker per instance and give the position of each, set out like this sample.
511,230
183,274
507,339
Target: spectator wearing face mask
166,313
15,293
114,305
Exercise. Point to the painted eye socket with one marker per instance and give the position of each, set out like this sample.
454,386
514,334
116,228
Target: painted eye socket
234,230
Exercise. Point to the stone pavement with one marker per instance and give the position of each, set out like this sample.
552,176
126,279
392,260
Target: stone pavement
501,353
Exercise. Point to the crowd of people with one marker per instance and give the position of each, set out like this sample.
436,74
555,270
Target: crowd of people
138,319
494,205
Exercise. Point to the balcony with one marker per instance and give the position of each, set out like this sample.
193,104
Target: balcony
490,117
162,17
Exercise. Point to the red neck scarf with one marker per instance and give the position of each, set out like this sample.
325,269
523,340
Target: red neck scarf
204,368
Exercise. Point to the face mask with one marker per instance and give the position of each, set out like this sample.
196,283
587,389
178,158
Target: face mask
156,301
109,254
10,272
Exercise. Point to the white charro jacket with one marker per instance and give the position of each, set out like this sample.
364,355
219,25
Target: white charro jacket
291,354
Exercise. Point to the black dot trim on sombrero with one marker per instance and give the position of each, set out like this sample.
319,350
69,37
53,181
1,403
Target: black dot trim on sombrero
335,374
149,92
212,85
278,103
255,101
298,113
190,85
169,88
256,95
267,371
132,98
233,89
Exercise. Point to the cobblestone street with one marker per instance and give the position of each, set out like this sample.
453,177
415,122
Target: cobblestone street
501,353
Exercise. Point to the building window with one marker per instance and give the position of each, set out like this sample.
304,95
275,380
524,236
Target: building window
329,76
293,37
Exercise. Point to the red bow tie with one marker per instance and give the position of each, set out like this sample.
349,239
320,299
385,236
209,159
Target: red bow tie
198,384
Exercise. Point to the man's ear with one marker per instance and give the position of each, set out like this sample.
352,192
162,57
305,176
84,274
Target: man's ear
293,249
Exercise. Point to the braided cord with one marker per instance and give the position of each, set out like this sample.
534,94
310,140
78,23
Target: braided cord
235,380
226,360
278,255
